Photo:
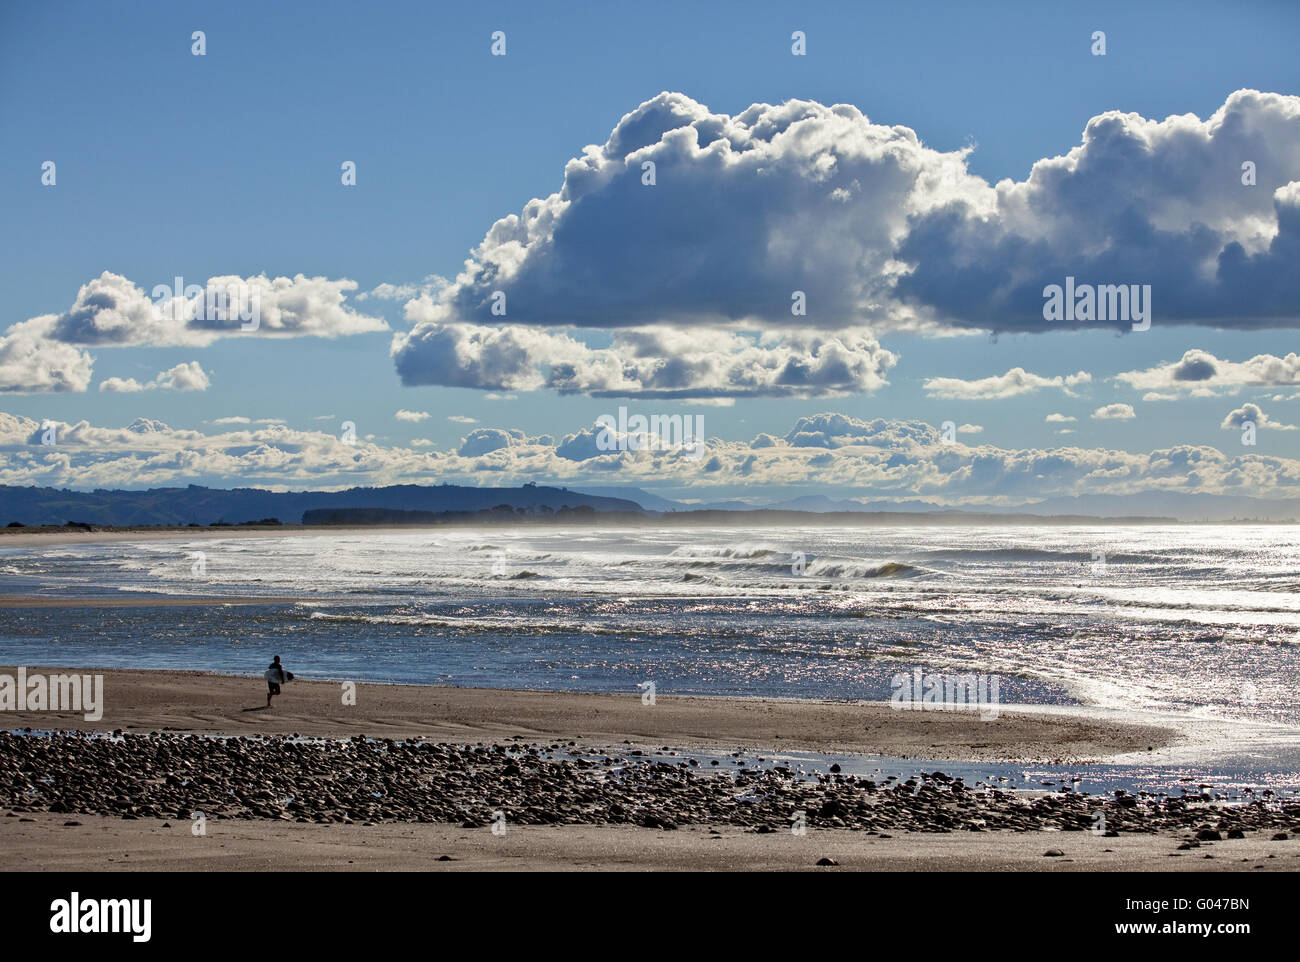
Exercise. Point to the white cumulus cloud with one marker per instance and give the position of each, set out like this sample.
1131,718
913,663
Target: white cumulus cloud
1016,381
1200,374
878,458
189,376
1251,413
1114,412
659,363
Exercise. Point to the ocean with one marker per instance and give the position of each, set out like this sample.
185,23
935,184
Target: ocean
1195,623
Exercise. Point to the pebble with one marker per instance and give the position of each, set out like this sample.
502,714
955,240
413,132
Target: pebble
345,781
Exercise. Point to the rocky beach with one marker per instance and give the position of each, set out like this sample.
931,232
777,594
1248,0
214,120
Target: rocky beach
180,776
402,764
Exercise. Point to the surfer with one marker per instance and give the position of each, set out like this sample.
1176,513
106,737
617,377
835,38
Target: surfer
275,675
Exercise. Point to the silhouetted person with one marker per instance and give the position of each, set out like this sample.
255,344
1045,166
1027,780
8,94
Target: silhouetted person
275,676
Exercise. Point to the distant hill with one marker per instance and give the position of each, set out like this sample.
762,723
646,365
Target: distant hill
501,514
653,502
821,503
446,502
1177,505
205,506
1181,505
764,517
1169,504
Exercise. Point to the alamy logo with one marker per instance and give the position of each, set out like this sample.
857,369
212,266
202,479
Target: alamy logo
1107,302
937,692
213,303
83,693
74,915
659,432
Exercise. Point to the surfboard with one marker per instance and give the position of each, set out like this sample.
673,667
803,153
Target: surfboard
278,676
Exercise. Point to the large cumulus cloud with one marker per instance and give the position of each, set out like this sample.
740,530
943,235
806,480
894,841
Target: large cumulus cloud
880,231
744,211
1138,202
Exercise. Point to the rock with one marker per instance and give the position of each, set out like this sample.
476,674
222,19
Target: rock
1208,835
1053,853
827,861
324,781
1281,837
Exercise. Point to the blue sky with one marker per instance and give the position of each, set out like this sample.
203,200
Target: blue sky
170,164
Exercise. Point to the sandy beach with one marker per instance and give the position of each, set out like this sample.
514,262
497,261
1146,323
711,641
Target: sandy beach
902,829
96,843
143,701
170,705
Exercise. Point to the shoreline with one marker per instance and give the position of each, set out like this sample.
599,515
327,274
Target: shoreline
202,703
19,538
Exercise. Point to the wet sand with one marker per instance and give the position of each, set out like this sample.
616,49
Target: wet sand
143,601
42,537
100,843
143,701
